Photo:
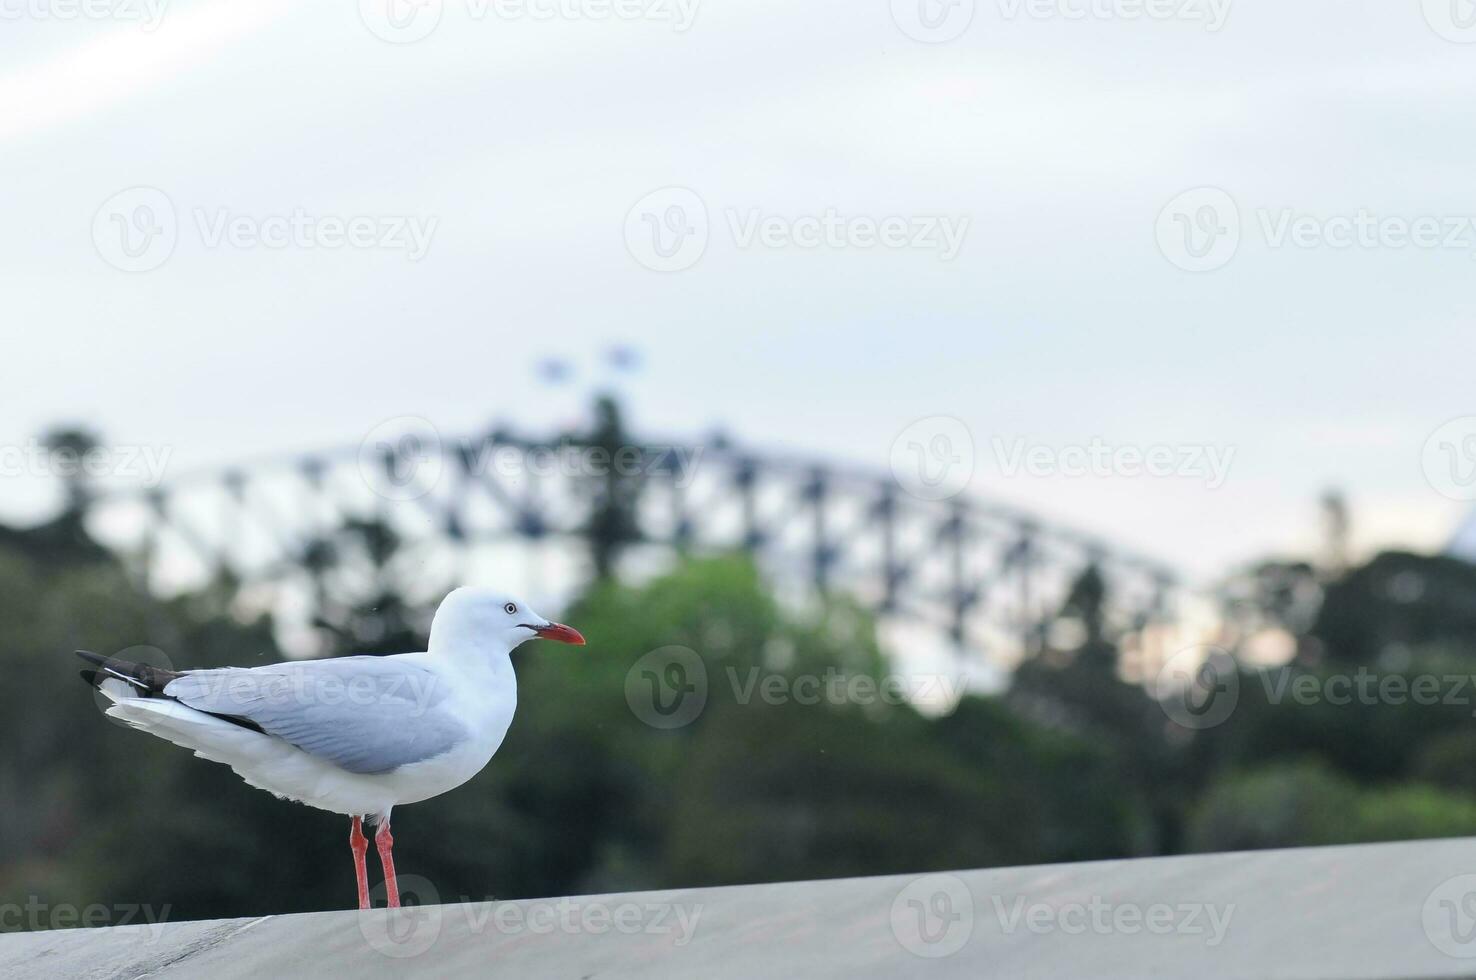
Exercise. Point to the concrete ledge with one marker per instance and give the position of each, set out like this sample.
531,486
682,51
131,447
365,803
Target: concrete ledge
1376,911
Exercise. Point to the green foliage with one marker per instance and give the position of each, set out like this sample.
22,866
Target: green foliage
1302,804
1397,604
1073,763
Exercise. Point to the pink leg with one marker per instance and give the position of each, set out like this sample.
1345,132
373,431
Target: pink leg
386,844
359,844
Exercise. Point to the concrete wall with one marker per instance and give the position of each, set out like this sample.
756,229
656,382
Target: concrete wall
1378,911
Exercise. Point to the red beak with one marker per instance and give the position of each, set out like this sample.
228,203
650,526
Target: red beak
562,633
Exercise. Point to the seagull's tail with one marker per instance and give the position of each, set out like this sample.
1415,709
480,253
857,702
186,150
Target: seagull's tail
137,693
118,679
265,762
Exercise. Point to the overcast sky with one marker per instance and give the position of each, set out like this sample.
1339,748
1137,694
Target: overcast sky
711,182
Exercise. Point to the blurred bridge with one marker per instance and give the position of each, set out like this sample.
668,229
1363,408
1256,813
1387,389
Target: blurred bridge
983,576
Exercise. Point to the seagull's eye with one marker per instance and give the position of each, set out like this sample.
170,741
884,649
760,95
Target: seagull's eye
510,608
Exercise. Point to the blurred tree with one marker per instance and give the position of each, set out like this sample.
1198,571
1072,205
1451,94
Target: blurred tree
1072,763
63,540
1306,804
69,447
1076,689
612,525
1381,613
361,598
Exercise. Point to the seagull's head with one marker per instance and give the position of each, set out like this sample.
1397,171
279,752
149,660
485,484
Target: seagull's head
473,618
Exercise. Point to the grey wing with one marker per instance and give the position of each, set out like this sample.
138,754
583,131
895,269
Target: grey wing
367,715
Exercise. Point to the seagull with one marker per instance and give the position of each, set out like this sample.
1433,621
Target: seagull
356,736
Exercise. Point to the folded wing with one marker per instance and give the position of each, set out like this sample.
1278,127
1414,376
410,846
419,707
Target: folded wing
367,715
